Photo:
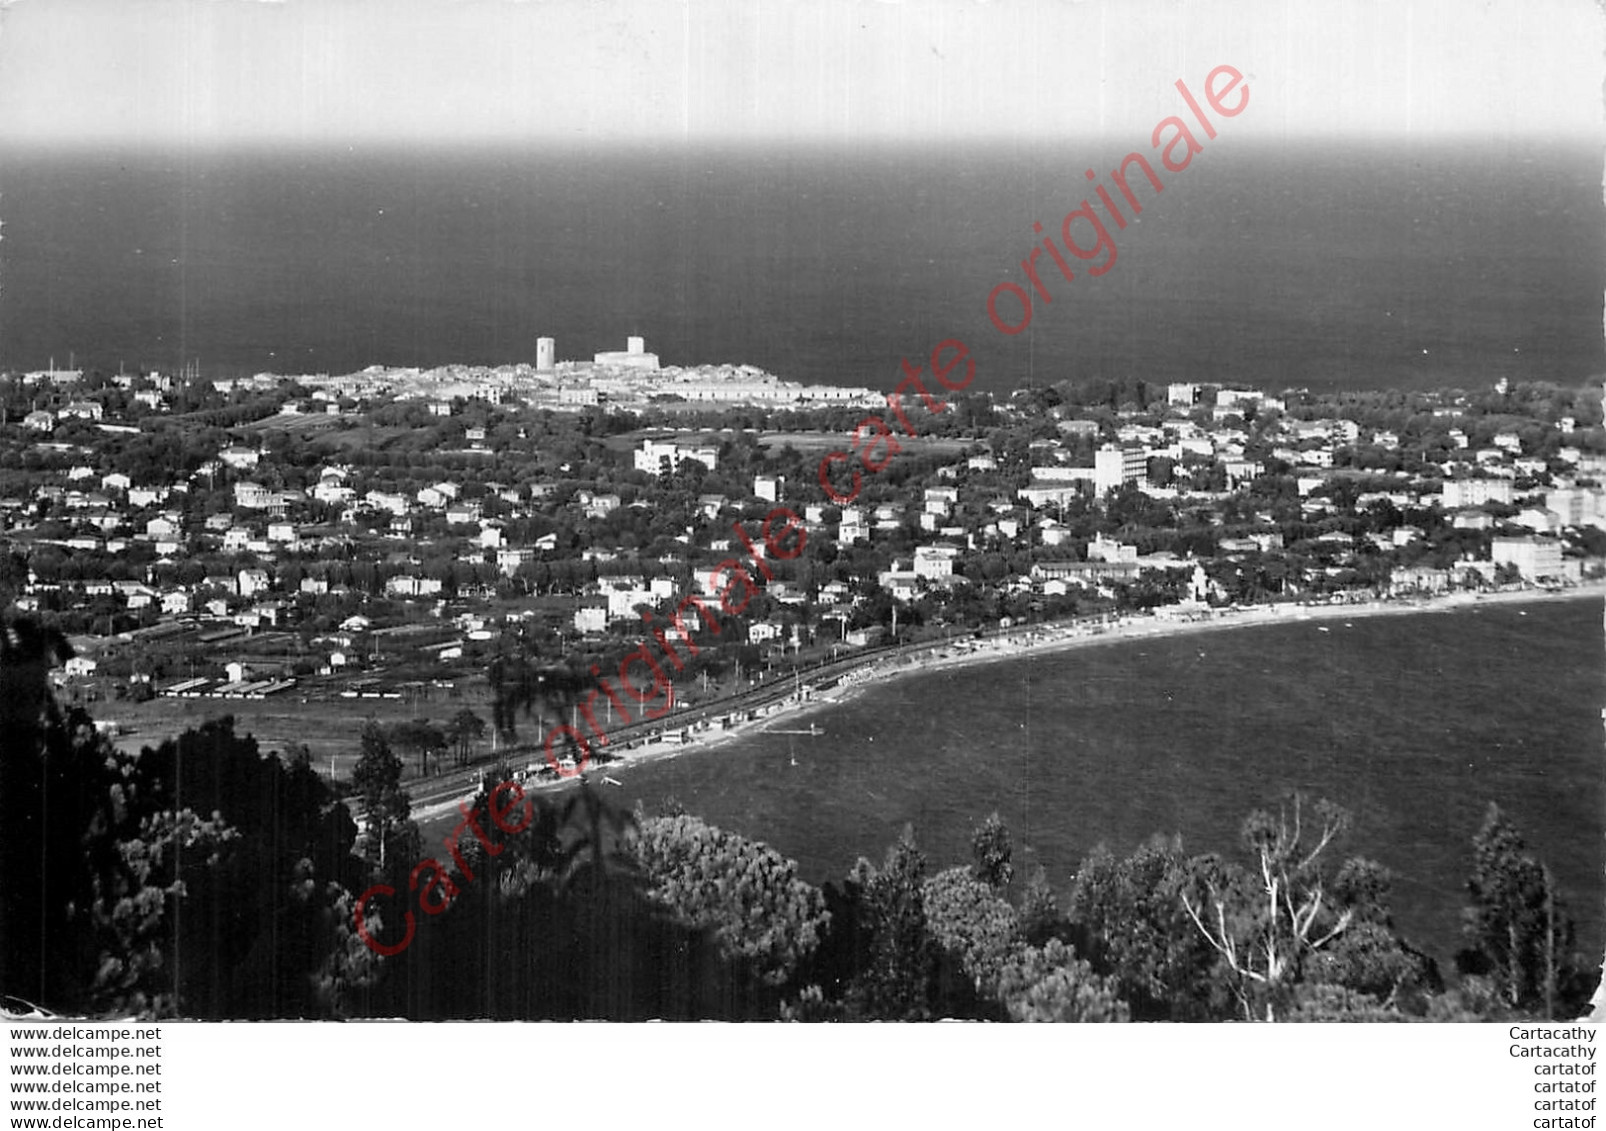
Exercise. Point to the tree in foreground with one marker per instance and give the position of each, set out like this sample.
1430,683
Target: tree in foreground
558,921
197,878
264,927
879,960
897,980
1128,918
1050,983
1519,934
377,778
968,919
971,922
748,894
905,946
992,853
1040,916
420,736
1284,925
465,729
1267,921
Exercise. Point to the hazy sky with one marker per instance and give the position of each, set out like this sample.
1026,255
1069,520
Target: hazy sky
608,71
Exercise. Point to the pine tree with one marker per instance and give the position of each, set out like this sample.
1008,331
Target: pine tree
898,978
1520,936
1040,915
465,729
990,846
748,894
195,877
377,777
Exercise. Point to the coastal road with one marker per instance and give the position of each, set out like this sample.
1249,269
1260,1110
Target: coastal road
435,799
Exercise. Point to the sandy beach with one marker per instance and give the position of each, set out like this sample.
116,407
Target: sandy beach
1042,640
793,711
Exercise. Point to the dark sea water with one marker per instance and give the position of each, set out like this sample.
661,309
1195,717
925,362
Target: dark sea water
1413,722
1321,264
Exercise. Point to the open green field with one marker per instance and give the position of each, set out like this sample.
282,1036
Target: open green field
331,728
821,442
809,443
304,423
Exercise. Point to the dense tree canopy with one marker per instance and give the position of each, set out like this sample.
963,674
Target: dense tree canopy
745,891
104,847
203,878
377,779
1518,930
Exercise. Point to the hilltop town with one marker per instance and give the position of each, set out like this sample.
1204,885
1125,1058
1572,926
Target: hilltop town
394,531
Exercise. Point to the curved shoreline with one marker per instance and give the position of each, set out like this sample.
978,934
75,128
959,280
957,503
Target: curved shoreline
1024,643
1043,640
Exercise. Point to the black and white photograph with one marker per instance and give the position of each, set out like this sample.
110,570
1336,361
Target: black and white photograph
781,511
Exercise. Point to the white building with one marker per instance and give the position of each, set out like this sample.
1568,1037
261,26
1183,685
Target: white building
1578,506
853,527
594,505
1539,519
936,562
634,356
386,501
1103,549
83,410
763,632
1038,494
252,582
623,599
663,457
1114,466
332,491
591,618
1534,558
940,500
1242,470
1475,493
406,586
510,558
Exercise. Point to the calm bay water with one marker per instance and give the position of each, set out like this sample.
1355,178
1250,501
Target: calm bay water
1352,266
1335,266
1414,722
